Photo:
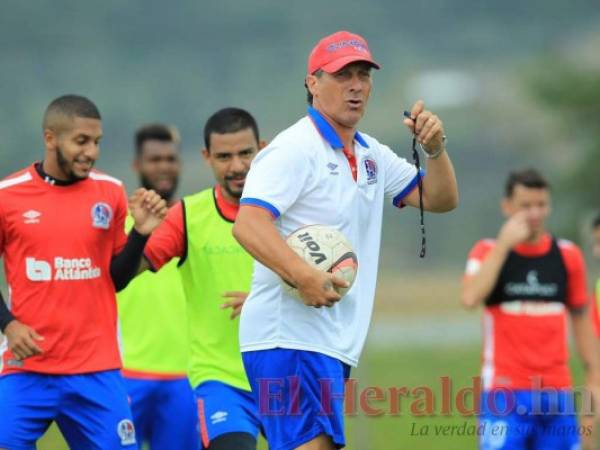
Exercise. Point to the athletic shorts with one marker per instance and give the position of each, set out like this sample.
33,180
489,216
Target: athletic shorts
523,420
91,410
225,409
164,413
300,395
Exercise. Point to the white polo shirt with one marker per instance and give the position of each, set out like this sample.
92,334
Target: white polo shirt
304,178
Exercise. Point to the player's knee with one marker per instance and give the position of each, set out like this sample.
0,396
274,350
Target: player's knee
233,441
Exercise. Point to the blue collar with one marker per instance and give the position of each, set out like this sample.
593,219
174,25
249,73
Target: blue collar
328,132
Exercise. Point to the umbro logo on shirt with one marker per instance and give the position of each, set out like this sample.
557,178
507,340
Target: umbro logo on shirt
218,417
332,166
31,216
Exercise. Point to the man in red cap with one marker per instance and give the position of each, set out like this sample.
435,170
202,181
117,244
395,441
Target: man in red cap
297,354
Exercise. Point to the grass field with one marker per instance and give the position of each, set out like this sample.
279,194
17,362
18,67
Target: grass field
418,335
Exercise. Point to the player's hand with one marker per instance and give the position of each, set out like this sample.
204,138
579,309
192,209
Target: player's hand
148,210
428,127
318,288
236,302
514,231
22,340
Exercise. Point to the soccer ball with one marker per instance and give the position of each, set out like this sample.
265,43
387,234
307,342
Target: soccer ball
326,249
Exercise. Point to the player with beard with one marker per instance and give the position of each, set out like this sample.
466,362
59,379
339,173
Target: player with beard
152,318
216,274
62,236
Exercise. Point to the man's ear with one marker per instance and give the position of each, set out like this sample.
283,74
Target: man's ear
262,144
135,164
311,82
50,139
205,154
505,207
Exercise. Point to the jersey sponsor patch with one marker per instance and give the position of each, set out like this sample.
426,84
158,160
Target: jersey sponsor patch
126,432
101,215
64,269
533,308
532,286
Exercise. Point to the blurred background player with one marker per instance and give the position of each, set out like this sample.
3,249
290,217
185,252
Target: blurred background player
216,274
596,291
322,170
528,280
62,235
153,330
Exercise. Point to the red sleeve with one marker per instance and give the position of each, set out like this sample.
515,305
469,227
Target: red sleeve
577,295
2,238
476,256
594,314
168,240
120,236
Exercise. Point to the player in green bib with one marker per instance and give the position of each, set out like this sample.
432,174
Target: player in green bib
216,274
152,319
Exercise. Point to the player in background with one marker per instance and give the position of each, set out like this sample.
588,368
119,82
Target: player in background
596,292
216,274
321,170
65,252
529,282
595,313
153,326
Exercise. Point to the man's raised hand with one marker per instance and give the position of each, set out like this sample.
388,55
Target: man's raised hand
148,210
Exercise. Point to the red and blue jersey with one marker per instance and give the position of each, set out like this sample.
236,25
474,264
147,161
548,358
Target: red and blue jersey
57,243
525,337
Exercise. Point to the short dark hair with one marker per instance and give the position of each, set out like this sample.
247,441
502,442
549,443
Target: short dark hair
596,222
529,178
69,106
309,96
154,132
229,120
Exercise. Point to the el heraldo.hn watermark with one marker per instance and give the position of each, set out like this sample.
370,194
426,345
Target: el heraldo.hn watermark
284,396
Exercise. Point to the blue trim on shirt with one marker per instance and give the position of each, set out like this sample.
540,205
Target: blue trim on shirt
361,140
329,133
408,189
262,204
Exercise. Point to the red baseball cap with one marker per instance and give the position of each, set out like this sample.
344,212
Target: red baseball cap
337,50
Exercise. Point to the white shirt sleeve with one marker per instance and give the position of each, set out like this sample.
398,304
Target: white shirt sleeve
277,177
401,177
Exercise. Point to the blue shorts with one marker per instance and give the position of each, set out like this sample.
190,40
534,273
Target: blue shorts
164,413
225,409
522,420
91,410
300,395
